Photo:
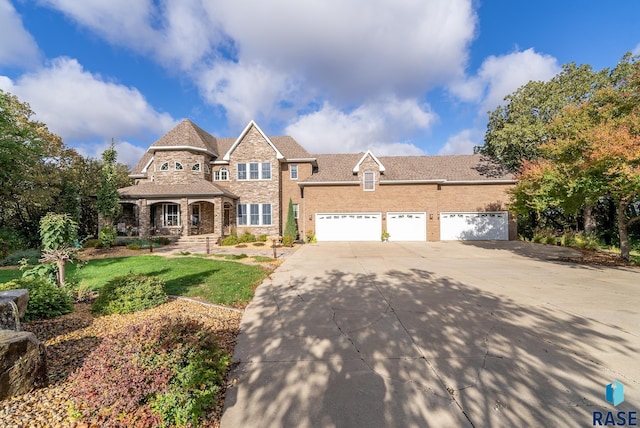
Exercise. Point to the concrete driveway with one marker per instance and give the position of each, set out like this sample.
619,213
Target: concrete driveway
435,334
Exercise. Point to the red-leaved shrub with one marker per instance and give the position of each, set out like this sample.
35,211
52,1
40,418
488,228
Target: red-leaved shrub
164,371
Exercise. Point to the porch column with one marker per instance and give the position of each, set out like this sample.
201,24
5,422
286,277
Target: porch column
185,216
144,218
218,213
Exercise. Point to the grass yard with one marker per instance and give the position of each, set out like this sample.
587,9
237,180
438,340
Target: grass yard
216,281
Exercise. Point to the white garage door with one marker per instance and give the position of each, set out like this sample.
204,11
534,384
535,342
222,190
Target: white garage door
407,226
474,226
348,227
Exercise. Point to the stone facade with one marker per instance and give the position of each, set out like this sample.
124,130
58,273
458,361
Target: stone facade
253,148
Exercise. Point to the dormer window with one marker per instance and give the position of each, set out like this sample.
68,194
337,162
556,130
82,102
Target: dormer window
369,181
222,175
165,167
196,167
179,166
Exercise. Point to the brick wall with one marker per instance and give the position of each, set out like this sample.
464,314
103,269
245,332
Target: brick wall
290,189
429,198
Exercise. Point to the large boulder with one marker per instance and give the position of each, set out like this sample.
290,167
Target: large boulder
7,312
23,363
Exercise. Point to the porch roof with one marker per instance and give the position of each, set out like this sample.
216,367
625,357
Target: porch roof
152,190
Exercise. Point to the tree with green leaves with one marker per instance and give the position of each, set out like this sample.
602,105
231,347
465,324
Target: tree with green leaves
291,227
59,234
108,196
32,161
517,129
594,153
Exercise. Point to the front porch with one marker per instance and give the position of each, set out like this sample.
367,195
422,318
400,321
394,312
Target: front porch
214,217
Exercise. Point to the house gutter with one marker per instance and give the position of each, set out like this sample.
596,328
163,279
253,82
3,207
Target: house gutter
328,183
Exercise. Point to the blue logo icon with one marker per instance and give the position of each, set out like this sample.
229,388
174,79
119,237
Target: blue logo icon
614,393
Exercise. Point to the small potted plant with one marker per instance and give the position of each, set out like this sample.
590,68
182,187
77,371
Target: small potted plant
385,236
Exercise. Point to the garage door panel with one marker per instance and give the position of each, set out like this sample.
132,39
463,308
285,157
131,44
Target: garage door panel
348,226
474,226
407,226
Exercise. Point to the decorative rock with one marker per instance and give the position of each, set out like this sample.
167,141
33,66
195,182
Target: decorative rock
7,312
23,364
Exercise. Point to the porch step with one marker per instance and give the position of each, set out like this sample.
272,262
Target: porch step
198,239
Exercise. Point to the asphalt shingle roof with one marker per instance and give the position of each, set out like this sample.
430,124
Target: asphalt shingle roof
339,167
187,133
147,190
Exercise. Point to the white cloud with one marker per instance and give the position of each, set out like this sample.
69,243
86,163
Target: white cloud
462,143
253,58
17,46
499,76
79,105
173,33
128,154
251,92
381,126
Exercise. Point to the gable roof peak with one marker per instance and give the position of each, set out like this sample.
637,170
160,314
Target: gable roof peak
368,153
251,124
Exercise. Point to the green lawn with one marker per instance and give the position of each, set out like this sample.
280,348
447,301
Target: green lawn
216,281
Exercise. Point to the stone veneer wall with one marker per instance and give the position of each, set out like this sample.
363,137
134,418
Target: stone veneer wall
254,148
173,176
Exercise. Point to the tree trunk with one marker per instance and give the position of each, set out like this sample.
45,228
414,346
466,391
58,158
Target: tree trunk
589,219
61,268
622,230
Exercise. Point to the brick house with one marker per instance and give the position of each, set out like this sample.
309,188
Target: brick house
190,182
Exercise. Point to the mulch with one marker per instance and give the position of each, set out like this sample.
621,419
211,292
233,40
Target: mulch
600,258
69,339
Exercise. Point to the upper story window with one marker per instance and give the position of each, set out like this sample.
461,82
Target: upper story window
293,172
195,167
179,166
165,166
296,211
369,181
221,175
257,171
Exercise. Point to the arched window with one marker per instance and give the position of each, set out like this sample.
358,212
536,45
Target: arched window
221,175
195,167
165,166
179,166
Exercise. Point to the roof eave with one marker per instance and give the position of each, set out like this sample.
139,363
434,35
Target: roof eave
154,149
328,183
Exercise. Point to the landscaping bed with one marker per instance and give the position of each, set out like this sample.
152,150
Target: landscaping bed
71,338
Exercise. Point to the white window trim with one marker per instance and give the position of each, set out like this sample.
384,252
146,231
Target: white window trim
165,215
217,175
164,166
195,167
260,171
178,164
373,181
296,211
247,211
293,167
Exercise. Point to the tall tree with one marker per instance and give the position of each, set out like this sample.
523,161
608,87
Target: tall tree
517,129
31,162
108,196
595,153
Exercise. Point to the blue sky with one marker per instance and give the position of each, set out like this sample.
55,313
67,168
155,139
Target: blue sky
397,77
